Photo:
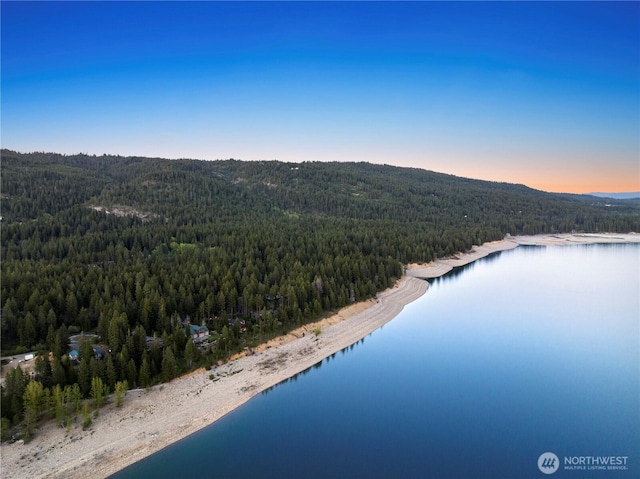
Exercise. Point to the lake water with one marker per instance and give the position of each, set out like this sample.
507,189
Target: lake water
529,351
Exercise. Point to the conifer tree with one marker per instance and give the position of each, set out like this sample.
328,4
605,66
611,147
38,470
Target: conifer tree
191,353
120,391
169,365
98,391
144,376
33,405
84,376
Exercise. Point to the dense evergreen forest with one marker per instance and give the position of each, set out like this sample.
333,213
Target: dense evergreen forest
135,250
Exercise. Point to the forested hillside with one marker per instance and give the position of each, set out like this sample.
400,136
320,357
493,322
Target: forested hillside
135,248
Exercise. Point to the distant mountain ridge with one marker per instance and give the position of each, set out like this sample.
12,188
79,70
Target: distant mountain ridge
618,196
180,192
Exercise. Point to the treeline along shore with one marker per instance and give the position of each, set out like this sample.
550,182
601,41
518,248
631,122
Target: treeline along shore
125,273
151,419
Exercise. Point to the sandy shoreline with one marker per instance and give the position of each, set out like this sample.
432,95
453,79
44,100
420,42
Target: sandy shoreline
150,421
440,267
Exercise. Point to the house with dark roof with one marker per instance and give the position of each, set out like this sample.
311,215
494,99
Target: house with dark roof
198,333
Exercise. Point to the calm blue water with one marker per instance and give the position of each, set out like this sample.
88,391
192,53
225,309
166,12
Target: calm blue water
528,351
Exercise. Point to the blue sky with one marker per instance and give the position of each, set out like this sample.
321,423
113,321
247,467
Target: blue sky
546,93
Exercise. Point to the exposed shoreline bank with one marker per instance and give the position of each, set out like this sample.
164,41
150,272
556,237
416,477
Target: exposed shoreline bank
150,421
440,267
